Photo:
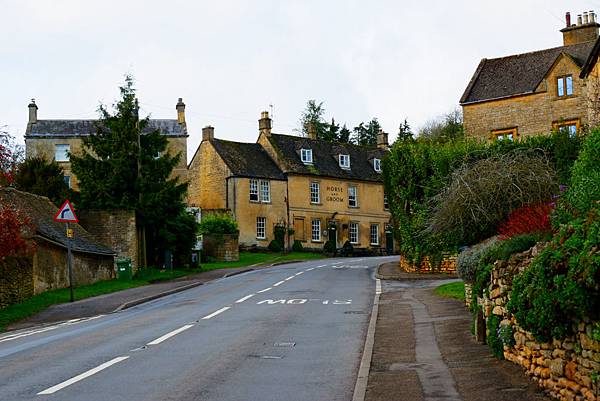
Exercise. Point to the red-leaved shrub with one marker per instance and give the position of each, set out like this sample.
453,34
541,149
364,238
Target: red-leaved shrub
528,219
13,224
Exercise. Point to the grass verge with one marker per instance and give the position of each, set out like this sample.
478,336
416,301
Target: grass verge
454,290
39,302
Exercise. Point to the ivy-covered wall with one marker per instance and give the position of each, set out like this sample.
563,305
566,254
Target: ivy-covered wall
16,279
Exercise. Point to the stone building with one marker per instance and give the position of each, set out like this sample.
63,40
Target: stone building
536,92
324,191
56,139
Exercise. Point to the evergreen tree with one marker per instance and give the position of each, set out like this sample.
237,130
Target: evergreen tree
344,135
332,132
405,132
313,115
366,135
40,177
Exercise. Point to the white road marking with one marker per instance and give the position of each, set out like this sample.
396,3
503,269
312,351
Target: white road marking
337,263
289,278
312,268
299,273
277,284
216,313
239,301
322,266
82,376
377,287
170,334
27,333
301,301
265,290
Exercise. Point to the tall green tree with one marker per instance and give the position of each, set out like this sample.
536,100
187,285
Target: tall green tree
405,132
41,177
313,115
331,134
447,127
114,172
344,135
366,134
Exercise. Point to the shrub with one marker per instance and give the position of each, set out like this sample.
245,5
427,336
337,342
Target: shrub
493,339
528,219
329,246
297,246
584,190
275,246
468,260
279,231
14,227
348,249
218,224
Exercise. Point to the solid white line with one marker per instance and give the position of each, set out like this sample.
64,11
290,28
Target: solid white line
265,290
278,283
82,376
378,286
44,329
299,273
239,301
216,313
170,334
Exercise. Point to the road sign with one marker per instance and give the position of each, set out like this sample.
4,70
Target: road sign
66,213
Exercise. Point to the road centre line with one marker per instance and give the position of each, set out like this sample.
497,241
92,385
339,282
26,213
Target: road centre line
170,334
239,301
289,278
265,290
216,313
82,376
322,266
277,284
312,268
299,273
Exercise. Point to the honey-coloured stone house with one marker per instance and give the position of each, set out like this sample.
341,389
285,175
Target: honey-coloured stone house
537,92
56,139
324,191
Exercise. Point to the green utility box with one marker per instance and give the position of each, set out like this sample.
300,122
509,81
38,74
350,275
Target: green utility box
124,269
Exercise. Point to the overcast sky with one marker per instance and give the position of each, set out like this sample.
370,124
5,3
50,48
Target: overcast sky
229,60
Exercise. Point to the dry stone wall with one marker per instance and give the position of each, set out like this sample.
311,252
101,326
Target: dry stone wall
448,265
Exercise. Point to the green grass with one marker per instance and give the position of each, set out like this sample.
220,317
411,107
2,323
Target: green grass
39,302
454,290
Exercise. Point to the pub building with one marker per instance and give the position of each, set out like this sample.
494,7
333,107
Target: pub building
322,190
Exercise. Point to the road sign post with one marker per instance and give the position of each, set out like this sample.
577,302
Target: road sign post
66,214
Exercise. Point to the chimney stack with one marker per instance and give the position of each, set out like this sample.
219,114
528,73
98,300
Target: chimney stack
586,29
312,131
382,140
180,107
32,112
208,133
264,124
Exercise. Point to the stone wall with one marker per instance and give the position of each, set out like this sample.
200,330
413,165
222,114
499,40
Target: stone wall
115,229
448,265
224,248
564,368
16,280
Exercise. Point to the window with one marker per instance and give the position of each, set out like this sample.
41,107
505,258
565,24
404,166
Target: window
61,152
67,180
386,205
316,230
315,192
265,191
353,233
306,155
261,224
571,127
344,161
564,86
374,234
377,165
352,197
509,134
253,190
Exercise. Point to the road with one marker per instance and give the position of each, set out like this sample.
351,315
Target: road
293,332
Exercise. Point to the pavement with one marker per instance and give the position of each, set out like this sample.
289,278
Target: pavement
424,350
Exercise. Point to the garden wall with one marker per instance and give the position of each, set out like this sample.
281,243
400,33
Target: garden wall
448,265
16,280
567,369
222,247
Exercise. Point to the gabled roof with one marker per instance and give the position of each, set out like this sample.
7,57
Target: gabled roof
518,74
591,60
41,211
78,128
247,159
325,158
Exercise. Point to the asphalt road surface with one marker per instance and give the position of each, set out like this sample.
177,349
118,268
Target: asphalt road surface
293,332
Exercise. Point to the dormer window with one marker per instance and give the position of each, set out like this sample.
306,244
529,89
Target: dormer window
306,156
344,161
564,86
377,165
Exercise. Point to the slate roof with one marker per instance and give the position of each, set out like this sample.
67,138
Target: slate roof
247,159
77,128
518,74
41,211
325,158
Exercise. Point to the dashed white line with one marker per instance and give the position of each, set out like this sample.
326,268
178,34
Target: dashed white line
170,334
239,301
299,273
312,268
289,278
216,313
322,266
265,290
82,376
277,284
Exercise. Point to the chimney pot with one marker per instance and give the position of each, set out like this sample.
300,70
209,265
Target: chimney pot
312,131
382,139
568,18
32,112
264,124
579,20
592,16
585,17
208,133
180,107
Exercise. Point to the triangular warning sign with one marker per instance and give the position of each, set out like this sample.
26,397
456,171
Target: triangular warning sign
66,213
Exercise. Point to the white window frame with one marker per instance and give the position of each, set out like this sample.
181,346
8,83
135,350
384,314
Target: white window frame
344,161
315,193
352,198
315,230
62,156
265,191
377,165
386,203
564,86
261,227
374,234
253,190
353,232
306,156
